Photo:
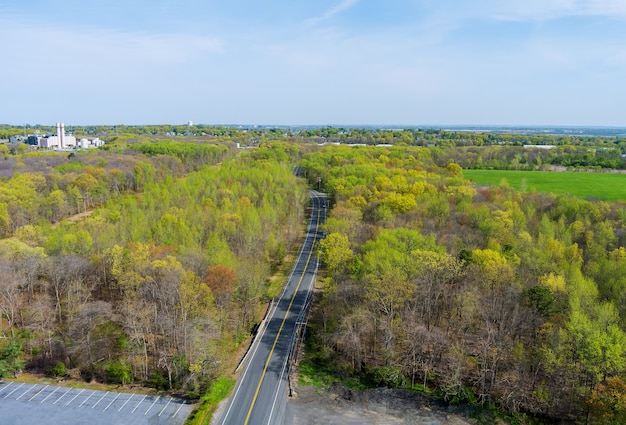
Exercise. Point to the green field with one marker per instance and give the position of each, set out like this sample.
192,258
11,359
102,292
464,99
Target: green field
604,186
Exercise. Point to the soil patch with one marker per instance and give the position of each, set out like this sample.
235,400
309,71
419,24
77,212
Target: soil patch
339,405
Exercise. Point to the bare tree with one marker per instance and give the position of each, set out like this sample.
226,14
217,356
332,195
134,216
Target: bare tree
11,297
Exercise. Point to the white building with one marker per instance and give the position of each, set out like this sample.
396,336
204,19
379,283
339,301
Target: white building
60,140
90,144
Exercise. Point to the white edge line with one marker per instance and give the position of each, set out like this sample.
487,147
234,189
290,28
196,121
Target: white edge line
282,373
245,371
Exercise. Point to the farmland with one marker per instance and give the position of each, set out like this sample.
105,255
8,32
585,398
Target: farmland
602,186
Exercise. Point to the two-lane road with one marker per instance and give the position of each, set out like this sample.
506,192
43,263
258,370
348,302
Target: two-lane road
260,394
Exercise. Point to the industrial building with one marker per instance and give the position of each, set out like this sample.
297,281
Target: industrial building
59,141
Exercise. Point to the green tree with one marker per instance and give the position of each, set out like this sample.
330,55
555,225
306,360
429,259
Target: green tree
11,361
335,252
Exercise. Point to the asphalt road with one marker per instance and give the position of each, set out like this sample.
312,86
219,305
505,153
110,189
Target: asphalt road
260,394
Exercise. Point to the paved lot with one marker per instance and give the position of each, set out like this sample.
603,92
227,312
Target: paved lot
33,404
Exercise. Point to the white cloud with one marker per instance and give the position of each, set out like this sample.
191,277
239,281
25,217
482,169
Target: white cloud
46,41
543,10
330,13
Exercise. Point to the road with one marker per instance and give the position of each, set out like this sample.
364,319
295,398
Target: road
260,394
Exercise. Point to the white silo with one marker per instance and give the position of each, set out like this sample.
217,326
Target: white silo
62,135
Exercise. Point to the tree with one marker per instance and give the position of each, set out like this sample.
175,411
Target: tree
221,280
607,403
11,298
11,361
335,252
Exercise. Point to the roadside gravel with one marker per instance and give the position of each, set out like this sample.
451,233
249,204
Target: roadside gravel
338,405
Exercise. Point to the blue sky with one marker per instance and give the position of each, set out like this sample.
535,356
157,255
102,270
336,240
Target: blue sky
318,62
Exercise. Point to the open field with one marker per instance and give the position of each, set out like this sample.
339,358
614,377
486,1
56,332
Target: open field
604,186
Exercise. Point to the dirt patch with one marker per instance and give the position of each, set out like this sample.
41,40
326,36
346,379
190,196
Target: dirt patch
74,218
338,405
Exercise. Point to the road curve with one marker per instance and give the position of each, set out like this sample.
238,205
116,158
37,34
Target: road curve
260,394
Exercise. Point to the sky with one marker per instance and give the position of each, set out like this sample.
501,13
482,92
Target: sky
313,62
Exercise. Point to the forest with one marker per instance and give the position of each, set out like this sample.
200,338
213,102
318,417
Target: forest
162,275
150,261
489,296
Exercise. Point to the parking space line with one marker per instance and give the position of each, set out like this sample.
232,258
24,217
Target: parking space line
155,400
24,393
85,401
105,394
74,398
38,392
178,410
165,407
140,401
131,396
59,399
55,390
116,397
8,385
18,387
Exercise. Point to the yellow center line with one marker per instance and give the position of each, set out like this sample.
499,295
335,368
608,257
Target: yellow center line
293,297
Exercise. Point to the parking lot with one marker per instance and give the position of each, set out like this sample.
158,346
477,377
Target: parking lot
22,403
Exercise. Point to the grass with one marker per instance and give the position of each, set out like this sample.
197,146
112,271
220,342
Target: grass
220,389
597,186
30,378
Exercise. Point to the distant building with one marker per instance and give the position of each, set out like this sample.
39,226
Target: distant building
17,139
59,141
33,140
539,146
90,143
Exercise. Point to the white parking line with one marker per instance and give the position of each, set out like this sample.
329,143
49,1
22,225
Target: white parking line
131,396
155,400
178,410
116,397
85,400
59,399
105,394
140,401
24,393
38,392
8,385
165,407
74,398
18,387
55,390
